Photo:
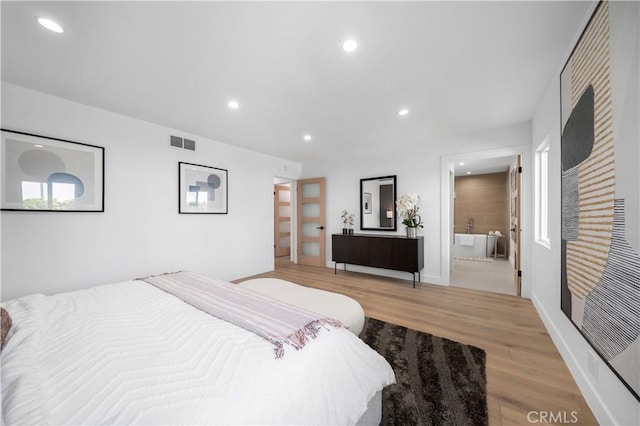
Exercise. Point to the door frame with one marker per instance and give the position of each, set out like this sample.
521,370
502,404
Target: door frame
277,180
277,188
517,246
447,163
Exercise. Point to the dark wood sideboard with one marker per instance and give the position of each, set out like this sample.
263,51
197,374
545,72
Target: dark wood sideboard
394,252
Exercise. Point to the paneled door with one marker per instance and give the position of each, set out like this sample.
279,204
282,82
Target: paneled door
282,217
311,221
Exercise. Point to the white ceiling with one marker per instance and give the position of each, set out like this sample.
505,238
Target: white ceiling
459,67
484,166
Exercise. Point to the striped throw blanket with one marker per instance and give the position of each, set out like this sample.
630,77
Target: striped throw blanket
271,319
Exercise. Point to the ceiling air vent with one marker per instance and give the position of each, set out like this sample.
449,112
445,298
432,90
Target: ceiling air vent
189,144
184,143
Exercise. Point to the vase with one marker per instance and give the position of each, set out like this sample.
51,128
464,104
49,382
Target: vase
412,232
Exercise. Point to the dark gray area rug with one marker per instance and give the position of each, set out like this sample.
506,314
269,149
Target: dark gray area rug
439,381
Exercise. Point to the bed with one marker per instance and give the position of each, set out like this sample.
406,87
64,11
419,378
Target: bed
129,353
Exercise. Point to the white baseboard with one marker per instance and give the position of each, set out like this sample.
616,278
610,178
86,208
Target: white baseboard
432,279
591,395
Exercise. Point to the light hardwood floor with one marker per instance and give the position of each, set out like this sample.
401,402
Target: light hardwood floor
525,372
496,276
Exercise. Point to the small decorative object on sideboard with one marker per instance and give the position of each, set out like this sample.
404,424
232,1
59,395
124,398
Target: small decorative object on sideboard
408,209
347,222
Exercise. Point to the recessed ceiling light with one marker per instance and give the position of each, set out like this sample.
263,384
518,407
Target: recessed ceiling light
39,146
468,173
50,25
233,104
403,112
349,46
461,163
307,137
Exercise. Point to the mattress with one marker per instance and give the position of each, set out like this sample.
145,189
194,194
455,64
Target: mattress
128,353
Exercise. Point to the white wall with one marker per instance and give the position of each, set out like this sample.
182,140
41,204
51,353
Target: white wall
418,171
140,231
610,401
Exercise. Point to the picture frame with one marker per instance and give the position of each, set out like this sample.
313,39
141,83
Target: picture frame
599,266
366,202
47,174
202,189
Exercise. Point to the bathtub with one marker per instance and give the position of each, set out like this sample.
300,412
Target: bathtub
482,246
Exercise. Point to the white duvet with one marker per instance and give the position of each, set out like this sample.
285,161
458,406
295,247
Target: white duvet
128,353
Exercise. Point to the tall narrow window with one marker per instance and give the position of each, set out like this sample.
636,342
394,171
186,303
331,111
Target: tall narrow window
542,194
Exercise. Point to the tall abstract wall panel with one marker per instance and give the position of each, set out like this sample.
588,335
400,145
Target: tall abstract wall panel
600,275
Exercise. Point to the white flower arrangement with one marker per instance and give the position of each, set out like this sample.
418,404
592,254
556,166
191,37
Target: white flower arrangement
408,209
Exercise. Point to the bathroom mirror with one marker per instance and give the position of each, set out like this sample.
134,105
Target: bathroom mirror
378,204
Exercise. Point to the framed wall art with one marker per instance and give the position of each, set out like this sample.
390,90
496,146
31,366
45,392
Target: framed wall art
203,189
41,173
366,202
600,245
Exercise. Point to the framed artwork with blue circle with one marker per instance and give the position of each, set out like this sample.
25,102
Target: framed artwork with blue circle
203,189
42,173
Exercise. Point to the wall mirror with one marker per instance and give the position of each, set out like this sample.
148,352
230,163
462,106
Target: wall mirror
378,204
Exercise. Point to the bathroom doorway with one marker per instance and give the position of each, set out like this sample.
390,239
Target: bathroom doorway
484,213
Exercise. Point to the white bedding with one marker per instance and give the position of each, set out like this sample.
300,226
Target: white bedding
128,353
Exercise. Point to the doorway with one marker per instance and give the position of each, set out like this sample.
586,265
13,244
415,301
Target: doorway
282,217
299,221
482,196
